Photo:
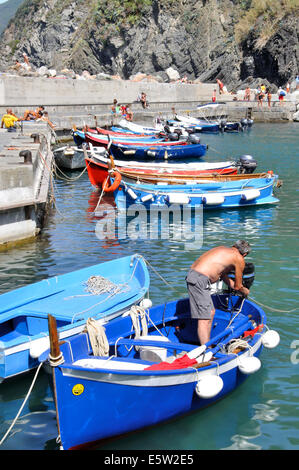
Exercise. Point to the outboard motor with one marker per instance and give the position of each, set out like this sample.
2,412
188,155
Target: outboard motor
173,136
167,129
248,275
244,122
247,164
193,139
222,125
220,287
190,130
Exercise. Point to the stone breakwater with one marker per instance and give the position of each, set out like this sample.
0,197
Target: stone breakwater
25,176
79,102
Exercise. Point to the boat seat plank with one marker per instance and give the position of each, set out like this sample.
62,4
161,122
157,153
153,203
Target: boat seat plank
155,344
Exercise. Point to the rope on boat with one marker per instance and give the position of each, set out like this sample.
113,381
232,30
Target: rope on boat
235,344
98,339
114,292
138,313
23,404
97,285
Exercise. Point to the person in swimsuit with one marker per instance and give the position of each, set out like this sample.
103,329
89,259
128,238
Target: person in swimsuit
213,265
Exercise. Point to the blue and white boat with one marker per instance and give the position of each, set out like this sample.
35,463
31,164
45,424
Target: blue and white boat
105,290
150,369
181,151
217,192
194,124
134,128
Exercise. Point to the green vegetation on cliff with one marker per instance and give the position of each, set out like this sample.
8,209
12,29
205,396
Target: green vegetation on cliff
265,17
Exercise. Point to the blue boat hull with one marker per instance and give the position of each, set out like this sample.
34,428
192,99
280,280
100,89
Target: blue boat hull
165,152
24,311
210,195
95,403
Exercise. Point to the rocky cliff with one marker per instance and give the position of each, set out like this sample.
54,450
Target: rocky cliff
238,41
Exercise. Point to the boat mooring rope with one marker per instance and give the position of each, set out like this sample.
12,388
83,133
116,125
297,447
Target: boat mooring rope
23,404
273,309
98,339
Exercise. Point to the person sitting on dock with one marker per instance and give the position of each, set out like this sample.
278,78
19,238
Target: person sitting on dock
9,120
31,115
143,100
213,265
45,117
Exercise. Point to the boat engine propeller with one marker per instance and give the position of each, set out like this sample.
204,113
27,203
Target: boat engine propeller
246,164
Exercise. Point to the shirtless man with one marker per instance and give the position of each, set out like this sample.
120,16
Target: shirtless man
213,265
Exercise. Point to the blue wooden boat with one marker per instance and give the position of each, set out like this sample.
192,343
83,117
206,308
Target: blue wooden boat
216,192
166,152
70,298
152,373
78,137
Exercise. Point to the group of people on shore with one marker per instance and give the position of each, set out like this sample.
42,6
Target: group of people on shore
9,119
259,94
122,109
265,92
125,110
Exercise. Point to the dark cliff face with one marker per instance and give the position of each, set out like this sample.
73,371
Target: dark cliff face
198,38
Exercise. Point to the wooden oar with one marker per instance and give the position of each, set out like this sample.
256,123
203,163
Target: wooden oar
55,358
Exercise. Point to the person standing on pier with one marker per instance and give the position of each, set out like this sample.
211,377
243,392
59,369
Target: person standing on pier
269,97
220,84
213,265
247,94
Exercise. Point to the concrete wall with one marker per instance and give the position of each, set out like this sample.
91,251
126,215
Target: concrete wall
30,91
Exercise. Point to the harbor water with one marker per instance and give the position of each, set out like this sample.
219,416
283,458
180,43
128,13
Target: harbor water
263,412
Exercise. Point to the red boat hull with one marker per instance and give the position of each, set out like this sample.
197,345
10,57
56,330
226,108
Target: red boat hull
98,171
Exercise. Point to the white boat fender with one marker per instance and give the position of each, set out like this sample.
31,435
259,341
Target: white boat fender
270,339
38,346
249,365
209,386
147,197
146,303
132,194
250,194
213,199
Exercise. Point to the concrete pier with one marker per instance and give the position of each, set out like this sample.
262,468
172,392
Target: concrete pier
25,174
79,102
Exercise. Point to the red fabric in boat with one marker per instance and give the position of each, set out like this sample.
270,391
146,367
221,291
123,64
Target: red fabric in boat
180,363
252,332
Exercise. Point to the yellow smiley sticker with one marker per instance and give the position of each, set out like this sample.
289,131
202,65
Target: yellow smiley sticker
78,389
